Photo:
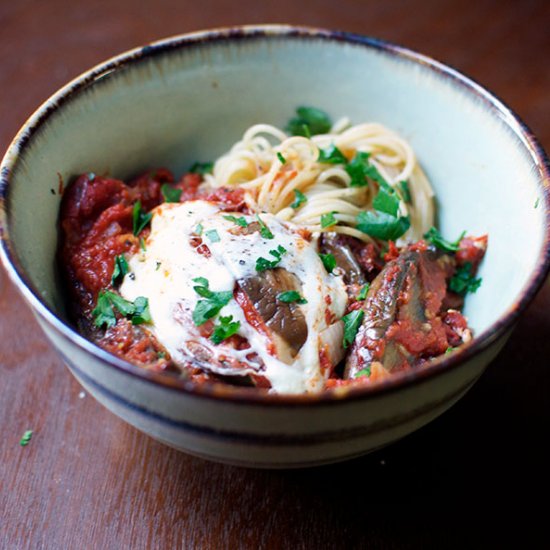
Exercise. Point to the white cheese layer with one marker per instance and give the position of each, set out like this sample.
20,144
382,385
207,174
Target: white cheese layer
165,270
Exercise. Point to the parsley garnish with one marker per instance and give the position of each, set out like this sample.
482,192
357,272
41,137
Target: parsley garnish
157,266
281,158
386,200
332,155
170,194
382,226
26,438
449,350
434,236
262,264
212,235
264,230
202,168
329,261
198,229
291,296
363,293
463,281
211,306
225,329
239,221
309,122
352,322
137,311
360,168
537,202
142,244
139,218
120,269
363,372
405,191
328,219
300,198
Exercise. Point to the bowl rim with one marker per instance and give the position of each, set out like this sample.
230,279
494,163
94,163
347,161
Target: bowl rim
240,395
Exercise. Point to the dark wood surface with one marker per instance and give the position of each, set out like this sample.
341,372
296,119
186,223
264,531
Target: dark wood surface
472,479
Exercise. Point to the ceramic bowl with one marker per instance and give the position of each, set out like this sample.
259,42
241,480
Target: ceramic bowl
190,97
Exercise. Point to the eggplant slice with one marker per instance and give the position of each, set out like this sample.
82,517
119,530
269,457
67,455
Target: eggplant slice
285,322
409,290
332,243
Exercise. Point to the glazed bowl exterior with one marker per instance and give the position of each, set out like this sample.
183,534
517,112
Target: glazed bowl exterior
189,98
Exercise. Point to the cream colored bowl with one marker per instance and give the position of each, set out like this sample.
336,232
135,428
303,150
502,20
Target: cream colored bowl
190,97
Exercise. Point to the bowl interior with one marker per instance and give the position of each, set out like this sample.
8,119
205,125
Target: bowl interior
175,105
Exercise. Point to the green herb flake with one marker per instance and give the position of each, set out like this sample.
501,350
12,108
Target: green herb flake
352,322
211,306
199,229
386,200
537,202
450,350
363,372
435,237
139,218
121,267
213,236
157,266
265,232
142,244
332,155
25,440
107,301
329,261
239,221
262,264
225,329
170,194
282,159
291,296
360,168
363,293
299,199
202,168
382,226
463,281
405,191
328,219
309,122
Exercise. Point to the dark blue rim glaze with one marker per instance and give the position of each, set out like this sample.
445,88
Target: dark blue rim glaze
274,32
275,440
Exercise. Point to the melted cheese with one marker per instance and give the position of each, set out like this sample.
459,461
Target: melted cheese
165,270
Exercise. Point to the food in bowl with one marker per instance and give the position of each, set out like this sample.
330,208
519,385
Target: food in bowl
298,261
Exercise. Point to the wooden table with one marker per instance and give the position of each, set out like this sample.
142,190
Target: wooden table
87,480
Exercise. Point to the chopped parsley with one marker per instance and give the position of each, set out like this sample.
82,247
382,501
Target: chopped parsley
139,218
142,244
239,221
449,350
352,322
170,194
199,229
262,264
282,159
265,232
299,199
405,191
363,293
360,168
463,281
386,200
213,303
363,372
309,122
157,266
332,155
26,438
382,226
120,270
225,329
291,296
435,237
104,314
329,261
328,219
537,202
213,235
202,168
